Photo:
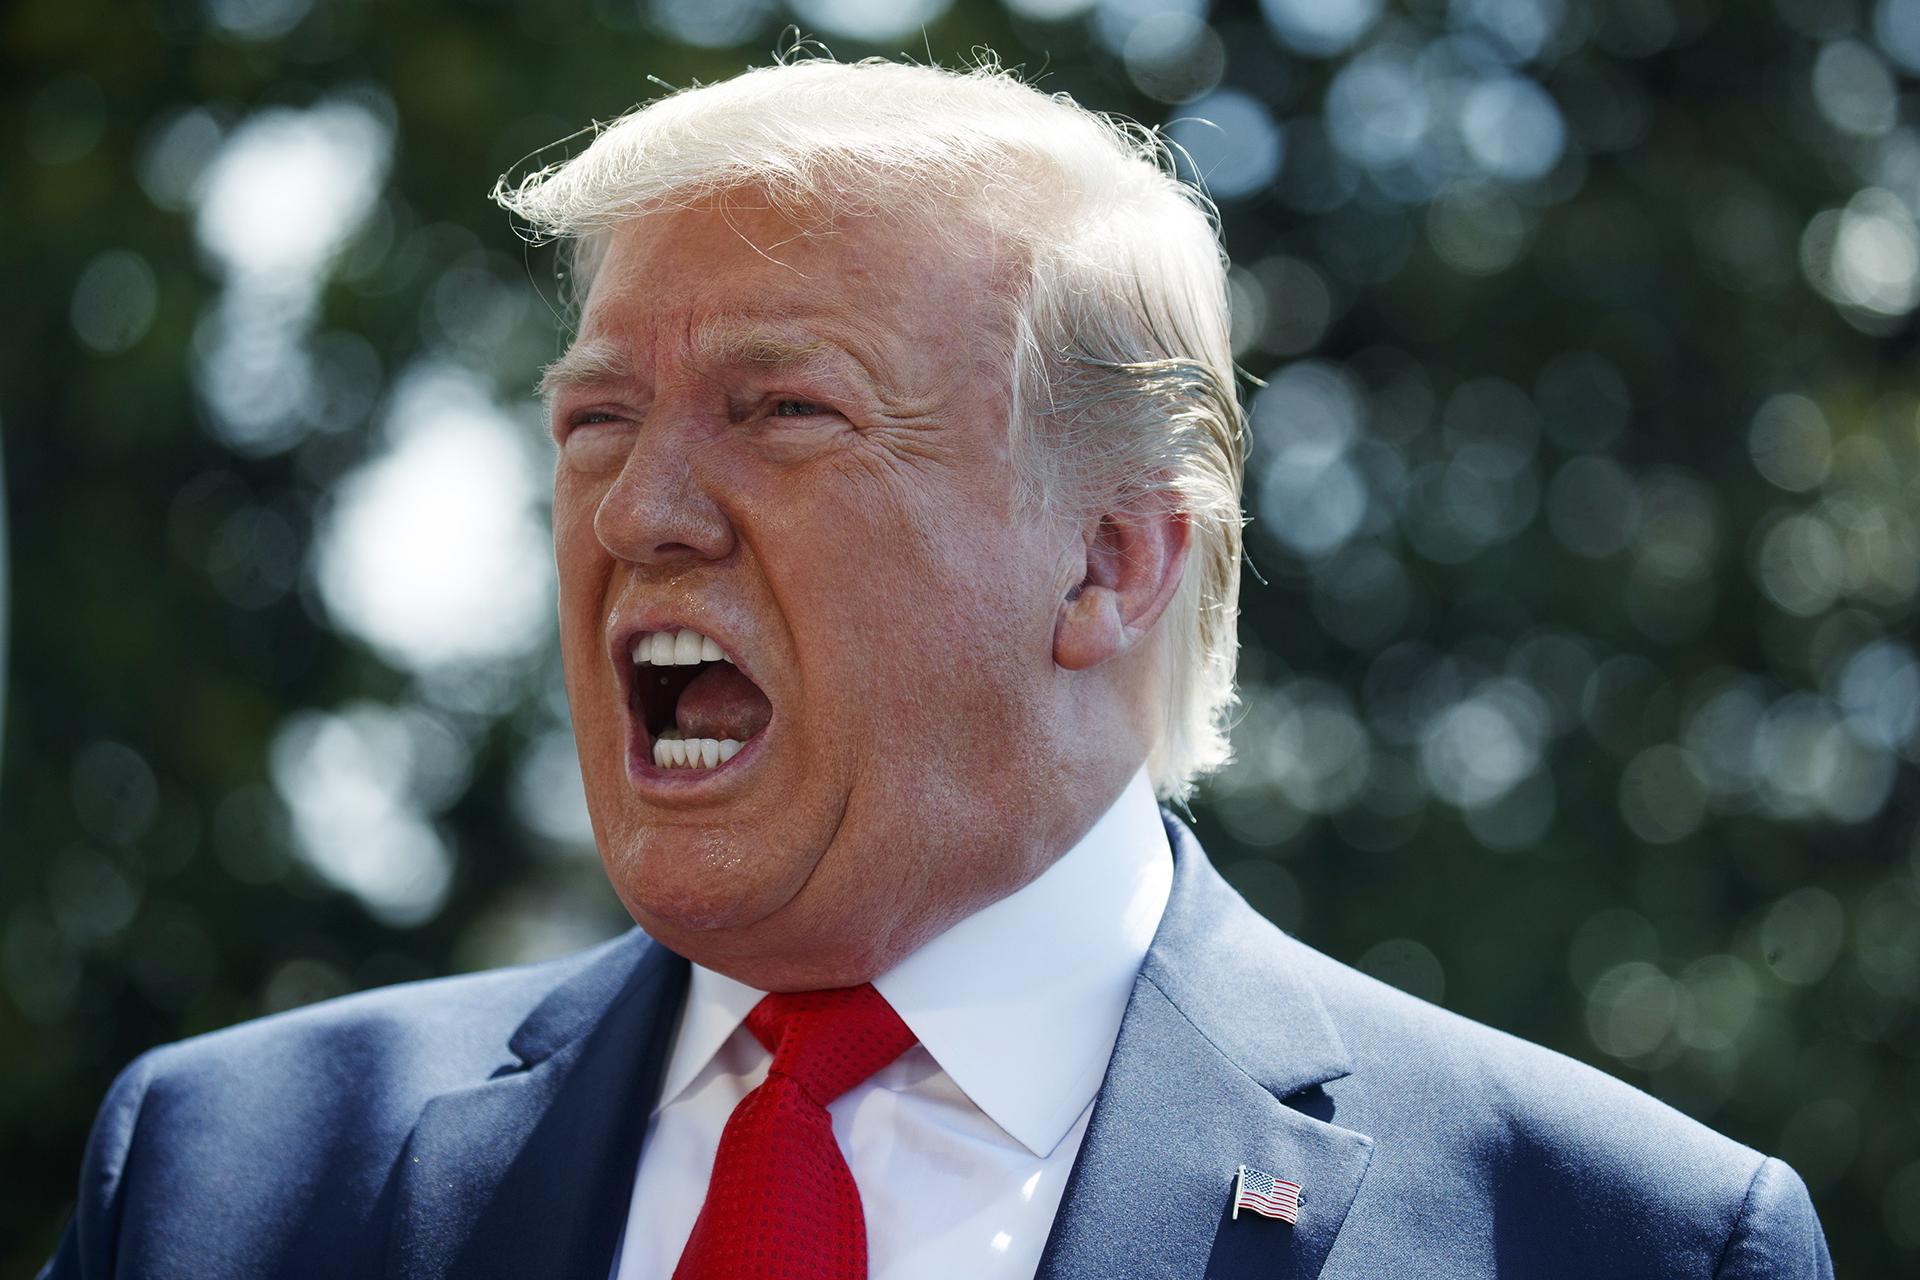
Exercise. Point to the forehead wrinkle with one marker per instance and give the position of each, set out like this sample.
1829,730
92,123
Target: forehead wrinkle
812,337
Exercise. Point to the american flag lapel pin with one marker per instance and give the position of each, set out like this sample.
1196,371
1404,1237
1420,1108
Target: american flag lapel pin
1266,1195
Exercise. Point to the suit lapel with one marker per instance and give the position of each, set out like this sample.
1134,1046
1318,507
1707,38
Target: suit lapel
1219,1062
529,1172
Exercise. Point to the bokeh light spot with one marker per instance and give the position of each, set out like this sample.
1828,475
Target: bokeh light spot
1801,933
1231,143
1362,596
1512,128
1378,108
1790,442
175,156
436,551
288,187
1050,10
115,794
1315,752
1477,750
1632,1009
711,24
1896,25
1900,1205
257,19
1321,28
1477,230
1725,998
1809,765
354,784
1173,56
1879,691
872,21
1799,564
1609,937
93,897
1865,256
1516,30
1854,90
114,301
1520,819
548,794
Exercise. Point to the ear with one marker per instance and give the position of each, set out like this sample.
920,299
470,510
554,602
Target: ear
1133,563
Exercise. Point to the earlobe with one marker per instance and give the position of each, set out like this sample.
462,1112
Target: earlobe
1088,630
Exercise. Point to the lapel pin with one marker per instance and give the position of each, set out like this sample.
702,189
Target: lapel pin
1266,1195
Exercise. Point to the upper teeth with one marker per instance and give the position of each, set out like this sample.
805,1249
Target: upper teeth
681,648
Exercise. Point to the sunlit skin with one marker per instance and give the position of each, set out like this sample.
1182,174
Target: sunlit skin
793,438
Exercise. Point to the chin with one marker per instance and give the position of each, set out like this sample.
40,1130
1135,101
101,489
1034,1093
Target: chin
679,881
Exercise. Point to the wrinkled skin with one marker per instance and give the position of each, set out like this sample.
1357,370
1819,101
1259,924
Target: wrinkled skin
795,442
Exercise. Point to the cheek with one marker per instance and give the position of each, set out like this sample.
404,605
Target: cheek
576,546
947,606
582,567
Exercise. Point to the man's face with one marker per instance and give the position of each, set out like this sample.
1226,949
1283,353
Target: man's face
792,440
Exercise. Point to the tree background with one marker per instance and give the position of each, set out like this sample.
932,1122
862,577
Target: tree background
1580,691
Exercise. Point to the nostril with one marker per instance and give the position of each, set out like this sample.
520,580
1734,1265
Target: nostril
647,515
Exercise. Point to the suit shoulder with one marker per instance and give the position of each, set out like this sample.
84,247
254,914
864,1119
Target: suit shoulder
1487,1155
1575,1164
437,1028
1536,1093
271,1139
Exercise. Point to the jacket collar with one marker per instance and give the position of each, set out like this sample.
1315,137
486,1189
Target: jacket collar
530,1171
602,978
1220,1062
1216,959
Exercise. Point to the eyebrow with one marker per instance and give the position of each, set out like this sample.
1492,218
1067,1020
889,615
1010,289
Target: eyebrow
597,360
755,346
722,342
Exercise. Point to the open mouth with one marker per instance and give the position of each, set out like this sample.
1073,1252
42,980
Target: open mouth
699,709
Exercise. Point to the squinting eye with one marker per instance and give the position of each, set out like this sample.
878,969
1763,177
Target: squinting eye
585,423
594,439
796,409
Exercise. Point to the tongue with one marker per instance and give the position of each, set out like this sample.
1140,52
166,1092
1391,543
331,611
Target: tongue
722,703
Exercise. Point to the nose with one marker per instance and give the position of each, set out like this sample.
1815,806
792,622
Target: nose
660,509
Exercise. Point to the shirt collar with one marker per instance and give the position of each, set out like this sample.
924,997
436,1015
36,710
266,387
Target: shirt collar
1020,1003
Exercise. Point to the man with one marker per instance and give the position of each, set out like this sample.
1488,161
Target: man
896,511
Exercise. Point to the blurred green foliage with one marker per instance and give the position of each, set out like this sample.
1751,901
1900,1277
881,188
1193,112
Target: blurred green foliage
1580,692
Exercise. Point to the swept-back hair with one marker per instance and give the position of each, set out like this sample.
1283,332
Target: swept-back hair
1120,367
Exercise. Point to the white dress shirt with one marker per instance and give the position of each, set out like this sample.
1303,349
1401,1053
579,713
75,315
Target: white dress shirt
961,1146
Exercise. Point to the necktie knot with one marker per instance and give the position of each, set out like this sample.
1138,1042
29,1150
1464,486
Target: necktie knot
829,1041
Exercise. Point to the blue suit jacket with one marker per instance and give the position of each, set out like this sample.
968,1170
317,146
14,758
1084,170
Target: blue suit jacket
489,1126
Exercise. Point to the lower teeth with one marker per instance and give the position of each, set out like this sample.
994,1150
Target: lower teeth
671,751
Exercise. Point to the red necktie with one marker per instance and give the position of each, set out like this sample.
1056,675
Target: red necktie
782,1204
